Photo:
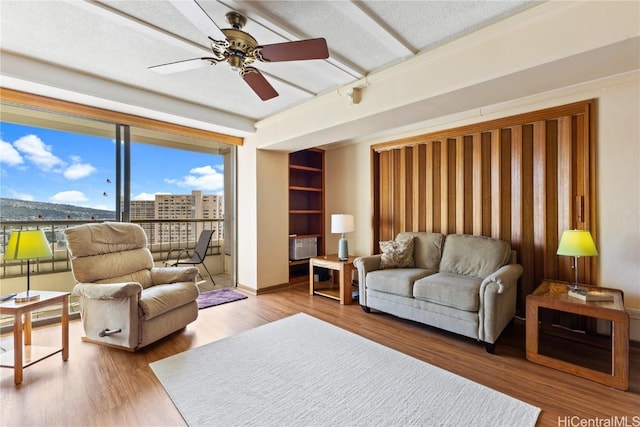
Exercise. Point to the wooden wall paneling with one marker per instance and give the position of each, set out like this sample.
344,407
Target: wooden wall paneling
517,179
460,173
506,185
385,208
397,220
554,201
537,137
581,200
406,190
376,203
419,169
436,187
565,220
467,205
483,200
451,186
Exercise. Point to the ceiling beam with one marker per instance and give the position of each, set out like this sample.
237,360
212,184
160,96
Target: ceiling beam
374,27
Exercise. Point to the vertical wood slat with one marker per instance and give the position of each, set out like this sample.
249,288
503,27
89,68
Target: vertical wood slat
478,187
429,190
539,142
444,186
497,178
517,182
460,190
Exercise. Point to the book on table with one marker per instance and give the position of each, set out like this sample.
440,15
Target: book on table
591,296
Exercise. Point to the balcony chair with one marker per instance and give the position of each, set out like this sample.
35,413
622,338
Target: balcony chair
125,301
194,258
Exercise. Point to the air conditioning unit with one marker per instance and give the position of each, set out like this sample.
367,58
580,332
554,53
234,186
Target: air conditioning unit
302,248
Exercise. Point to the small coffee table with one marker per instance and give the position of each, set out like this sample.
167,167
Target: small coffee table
24,354
553,295
340,291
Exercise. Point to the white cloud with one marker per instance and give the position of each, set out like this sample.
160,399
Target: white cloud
78,170
9,155
21,196
144,196
70,196
38,152
205,178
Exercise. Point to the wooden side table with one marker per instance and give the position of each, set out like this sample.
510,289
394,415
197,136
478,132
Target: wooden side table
340,291
554,295
24,354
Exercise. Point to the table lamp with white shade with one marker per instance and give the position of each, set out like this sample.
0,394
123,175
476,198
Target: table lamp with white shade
27,244
576,243
341,223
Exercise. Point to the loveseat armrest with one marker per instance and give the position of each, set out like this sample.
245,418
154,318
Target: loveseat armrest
163,275
507,275
365,264
498,293
107,291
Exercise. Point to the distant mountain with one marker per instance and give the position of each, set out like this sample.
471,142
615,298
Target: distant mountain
21,210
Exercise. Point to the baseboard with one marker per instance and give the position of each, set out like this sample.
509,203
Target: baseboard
268,289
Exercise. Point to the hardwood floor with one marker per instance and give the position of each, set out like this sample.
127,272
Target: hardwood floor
104,386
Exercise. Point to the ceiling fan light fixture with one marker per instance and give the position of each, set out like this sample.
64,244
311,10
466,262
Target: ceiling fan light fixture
236,62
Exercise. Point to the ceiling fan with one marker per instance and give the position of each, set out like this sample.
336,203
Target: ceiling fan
240,50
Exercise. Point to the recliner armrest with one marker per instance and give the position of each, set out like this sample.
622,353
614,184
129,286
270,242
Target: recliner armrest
107,290
162,275
507,275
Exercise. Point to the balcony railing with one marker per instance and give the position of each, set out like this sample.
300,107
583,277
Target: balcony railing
163,235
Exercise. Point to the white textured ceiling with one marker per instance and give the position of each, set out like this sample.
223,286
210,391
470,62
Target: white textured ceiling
78,45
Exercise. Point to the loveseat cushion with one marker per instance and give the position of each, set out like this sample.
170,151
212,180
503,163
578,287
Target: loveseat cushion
398,281
160,299
476,256
427,248
451,290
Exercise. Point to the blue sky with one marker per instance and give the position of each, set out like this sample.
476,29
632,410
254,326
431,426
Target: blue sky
59,167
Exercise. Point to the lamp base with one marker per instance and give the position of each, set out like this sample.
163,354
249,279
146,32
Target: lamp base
27,297
575,288
343,250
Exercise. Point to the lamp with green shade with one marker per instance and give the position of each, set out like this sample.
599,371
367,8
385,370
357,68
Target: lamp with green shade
27,244
576,243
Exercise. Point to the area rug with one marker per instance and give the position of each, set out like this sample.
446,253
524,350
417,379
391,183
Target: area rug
218,296
301,371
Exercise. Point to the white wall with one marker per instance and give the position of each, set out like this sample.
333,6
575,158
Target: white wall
617,185
263,219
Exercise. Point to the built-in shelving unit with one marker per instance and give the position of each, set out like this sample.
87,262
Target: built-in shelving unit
306,210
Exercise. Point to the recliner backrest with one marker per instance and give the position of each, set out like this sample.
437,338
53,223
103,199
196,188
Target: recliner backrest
109,252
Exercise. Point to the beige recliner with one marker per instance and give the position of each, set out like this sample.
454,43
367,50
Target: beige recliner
126,301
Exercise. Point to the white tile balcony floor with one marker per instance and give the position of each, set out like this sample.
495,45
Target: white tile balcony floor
221,281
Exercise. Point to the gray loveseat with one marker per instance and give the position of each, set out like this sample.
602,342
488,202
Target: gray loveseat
461,283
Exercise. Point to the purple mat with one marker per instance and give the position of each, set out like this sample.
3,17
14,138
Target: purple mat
218,296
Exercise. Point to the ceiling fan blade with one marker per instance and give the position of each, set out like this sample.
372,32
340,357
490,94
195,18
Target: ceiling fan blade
178,66
294,51
199,18
258,83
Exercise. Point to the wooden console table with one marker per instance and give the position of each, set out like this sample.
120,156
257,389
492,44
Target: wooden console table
553,295
340,291
24,354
